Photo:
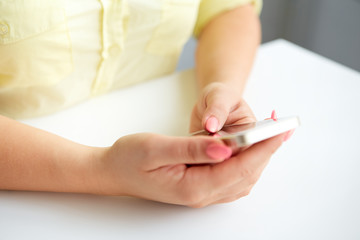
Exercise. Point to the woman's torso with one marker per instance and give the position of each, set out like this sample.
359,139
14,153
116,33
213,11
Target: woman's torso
60,52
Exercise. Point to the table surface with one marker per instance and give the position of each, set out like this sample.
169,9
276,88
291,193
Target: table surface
310,189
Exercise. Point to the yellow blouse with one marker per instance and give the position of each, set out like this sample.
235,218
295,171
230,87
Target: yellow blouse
55,53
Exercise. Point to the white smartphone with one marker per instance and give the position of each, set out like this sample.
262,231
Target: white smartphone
241,135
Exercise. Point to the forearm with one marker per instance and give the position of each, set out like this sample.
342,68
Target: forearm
227,47
32,159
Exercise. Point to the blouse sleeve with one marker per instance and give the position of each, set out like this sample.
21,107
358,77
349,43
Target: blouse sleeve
210,8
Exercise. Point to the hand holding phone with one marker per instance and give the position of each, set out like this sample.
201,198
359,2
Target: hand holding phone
238,136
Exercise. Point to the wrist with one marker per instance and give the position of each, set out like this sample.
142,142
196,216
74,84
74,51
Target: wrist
93,170
103,172
224,81
84,172
222,87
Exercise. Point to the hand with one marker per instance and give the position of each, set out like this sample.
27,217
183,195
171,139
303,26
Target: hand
188,171
218,105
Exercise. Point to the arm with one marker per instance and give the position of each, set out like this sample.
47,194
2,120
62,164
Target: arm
149,166
226,49
36,160
32,159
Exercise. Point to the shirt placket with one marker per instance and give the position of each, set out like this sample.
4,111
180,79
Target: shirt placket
113,29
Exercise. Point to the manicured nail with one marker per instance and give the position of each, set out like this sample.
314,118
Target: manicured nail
273,115
216,151
288,134
212,124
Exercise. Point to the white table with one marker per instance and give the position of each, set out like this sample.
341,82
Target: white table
310,190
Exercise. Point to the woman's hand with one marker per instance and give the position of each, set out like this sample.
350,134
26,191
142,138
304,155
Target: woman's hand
219,105
189,171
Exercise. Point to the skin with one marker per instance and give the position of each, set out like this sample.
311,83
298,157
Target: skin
224,57
191,171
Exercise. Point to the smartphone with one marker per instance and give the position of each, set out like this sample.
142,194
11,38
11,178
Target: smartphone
239,136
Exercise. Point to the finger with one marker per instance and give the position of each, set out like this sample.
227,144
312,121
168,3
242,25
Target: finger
241,115
190,150
228,196
240,188
233,174
208,180
246,164
195,121
288,134
217,111
234,197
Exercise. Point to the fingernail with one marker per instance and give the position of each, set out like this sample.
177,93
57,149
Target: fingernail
273,115
216,151
212,124
288,134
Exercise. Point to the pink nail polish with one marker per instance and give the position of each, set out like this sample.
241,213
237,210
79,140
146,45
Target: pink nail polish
212,124
288,134
273,115
216,151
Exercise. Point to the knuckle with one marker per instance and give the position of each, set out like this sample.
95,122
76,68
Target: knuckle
190,151
218,104
186,150
246,172
253,179
218,108
148,145
193,197
147,141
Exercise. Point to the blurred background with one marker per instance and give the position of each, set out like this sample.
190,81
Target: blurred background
328,27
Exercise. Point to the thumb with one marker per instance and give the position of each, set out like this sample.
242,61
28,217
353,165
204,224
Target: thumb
216,113
193,150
